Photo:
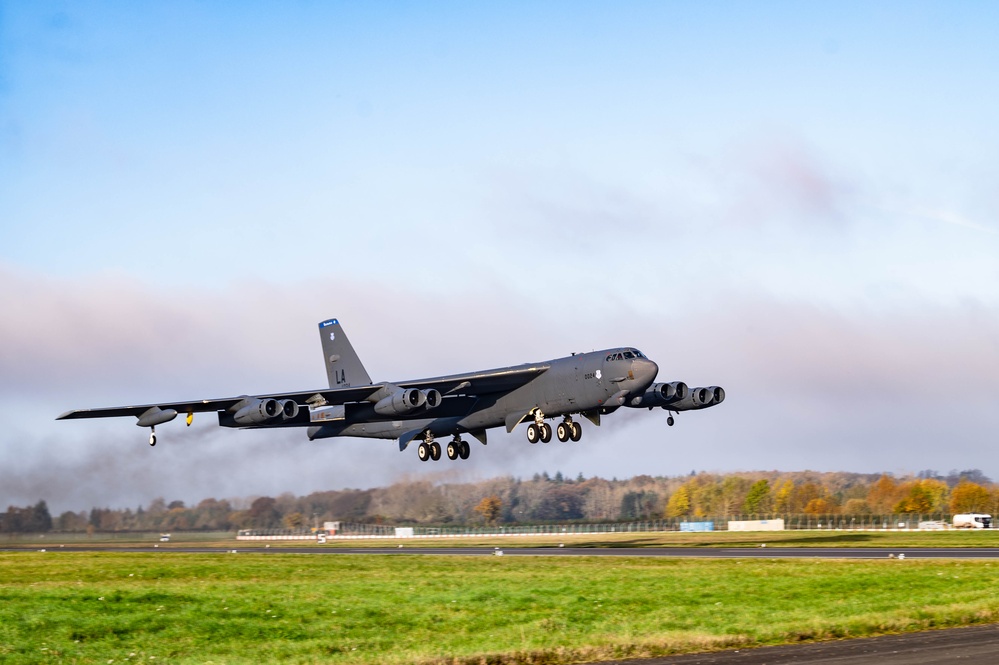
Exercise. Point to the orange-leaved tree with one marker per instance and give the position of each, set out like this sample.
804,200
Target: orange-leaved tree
490,508
969,497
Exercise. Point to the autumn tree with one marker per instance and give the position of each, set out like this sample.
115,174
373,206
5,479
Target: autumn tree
679,503
883,495
820,506
732,494
293,520
559,502
969,497
856,507
921,496
263,513
758,498
490,508
783,497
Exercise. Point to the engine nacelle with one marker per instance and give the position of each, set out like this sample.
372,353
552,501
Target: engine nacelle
699,398
661,394
289,409
256,411
401,402
433,398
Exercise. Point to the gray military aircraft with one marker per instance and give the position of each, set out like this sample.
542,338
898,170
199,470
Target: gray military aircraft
589,384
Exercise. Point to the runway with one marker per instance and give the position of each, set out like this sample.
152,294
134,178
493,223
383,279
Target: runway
669,552
954,646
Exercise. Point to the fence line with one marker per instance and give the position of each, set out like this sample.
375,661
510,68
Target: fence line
350,530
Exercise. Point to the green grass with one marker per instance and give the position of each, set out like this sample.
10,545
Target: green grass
251,608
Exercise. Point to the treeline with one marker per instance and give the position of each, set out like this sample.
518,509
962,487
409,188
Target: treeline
544,499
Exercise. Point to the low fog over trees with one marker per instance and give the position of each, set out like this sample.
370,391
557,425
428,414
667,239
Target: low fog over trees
546,498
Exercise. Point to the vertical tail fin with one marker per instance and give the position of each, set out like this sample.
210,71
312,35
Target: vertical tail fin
343,367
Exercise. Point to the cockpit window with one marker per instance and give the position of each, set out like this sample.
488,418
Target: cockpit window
629,354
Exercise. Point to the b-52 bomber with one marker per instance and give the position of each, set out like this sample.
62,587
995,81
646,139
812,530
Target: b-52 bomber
591,384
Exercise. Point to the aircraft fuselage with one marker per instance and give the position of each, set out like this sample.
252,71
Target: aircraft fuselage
580,383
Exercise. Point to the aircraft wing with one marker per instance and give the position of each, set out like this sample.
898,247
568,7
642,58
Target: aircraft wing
331,395
480,383
473,383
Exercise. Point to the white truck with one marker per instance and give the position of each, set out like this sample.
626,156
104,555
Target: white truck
972,521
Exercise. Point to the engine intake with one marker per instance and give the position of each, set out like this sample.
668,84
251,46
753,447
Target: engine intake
401,402
433,398
256,411
661,394
289,409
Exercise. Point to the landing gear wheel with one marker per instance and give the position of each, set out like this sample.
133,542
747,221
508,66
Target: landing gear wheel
670,421
435,451
577,432
152,438
452,451
546,433
563,432
424,452
532,433
463,449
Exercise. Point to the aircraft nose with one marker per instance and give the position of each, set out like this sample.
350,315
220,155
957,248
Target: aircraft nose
645,370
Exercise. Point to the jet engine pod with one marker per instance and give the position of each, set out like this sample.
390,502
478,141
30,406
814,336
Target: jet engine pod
256,411
400,402
661,394
289,409
672,392
433,398
717,395
701,396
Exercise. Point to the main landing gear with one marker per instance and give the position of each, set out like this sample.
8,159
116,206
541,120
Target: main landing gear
431,450
539,430
152,436
568,430
457,448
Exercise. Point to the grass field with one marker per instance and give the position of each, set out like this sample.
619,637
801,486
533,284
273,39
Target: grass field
251,608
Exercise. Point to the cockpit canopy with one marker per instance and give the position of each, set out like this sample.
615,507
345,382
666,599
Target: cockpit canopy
624,354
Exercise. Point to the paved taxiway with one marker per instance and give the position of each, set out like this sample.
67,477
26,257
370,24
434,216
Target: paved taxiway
675,552
954,646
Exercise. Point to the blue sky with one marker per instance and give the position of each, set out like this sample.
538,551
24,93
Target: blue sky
796,202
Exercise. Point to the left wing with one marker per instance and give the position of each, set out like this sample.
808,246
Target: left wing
473,383
329,395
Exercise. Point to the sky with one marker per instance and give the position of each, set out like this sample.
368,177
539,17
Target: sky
795,201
